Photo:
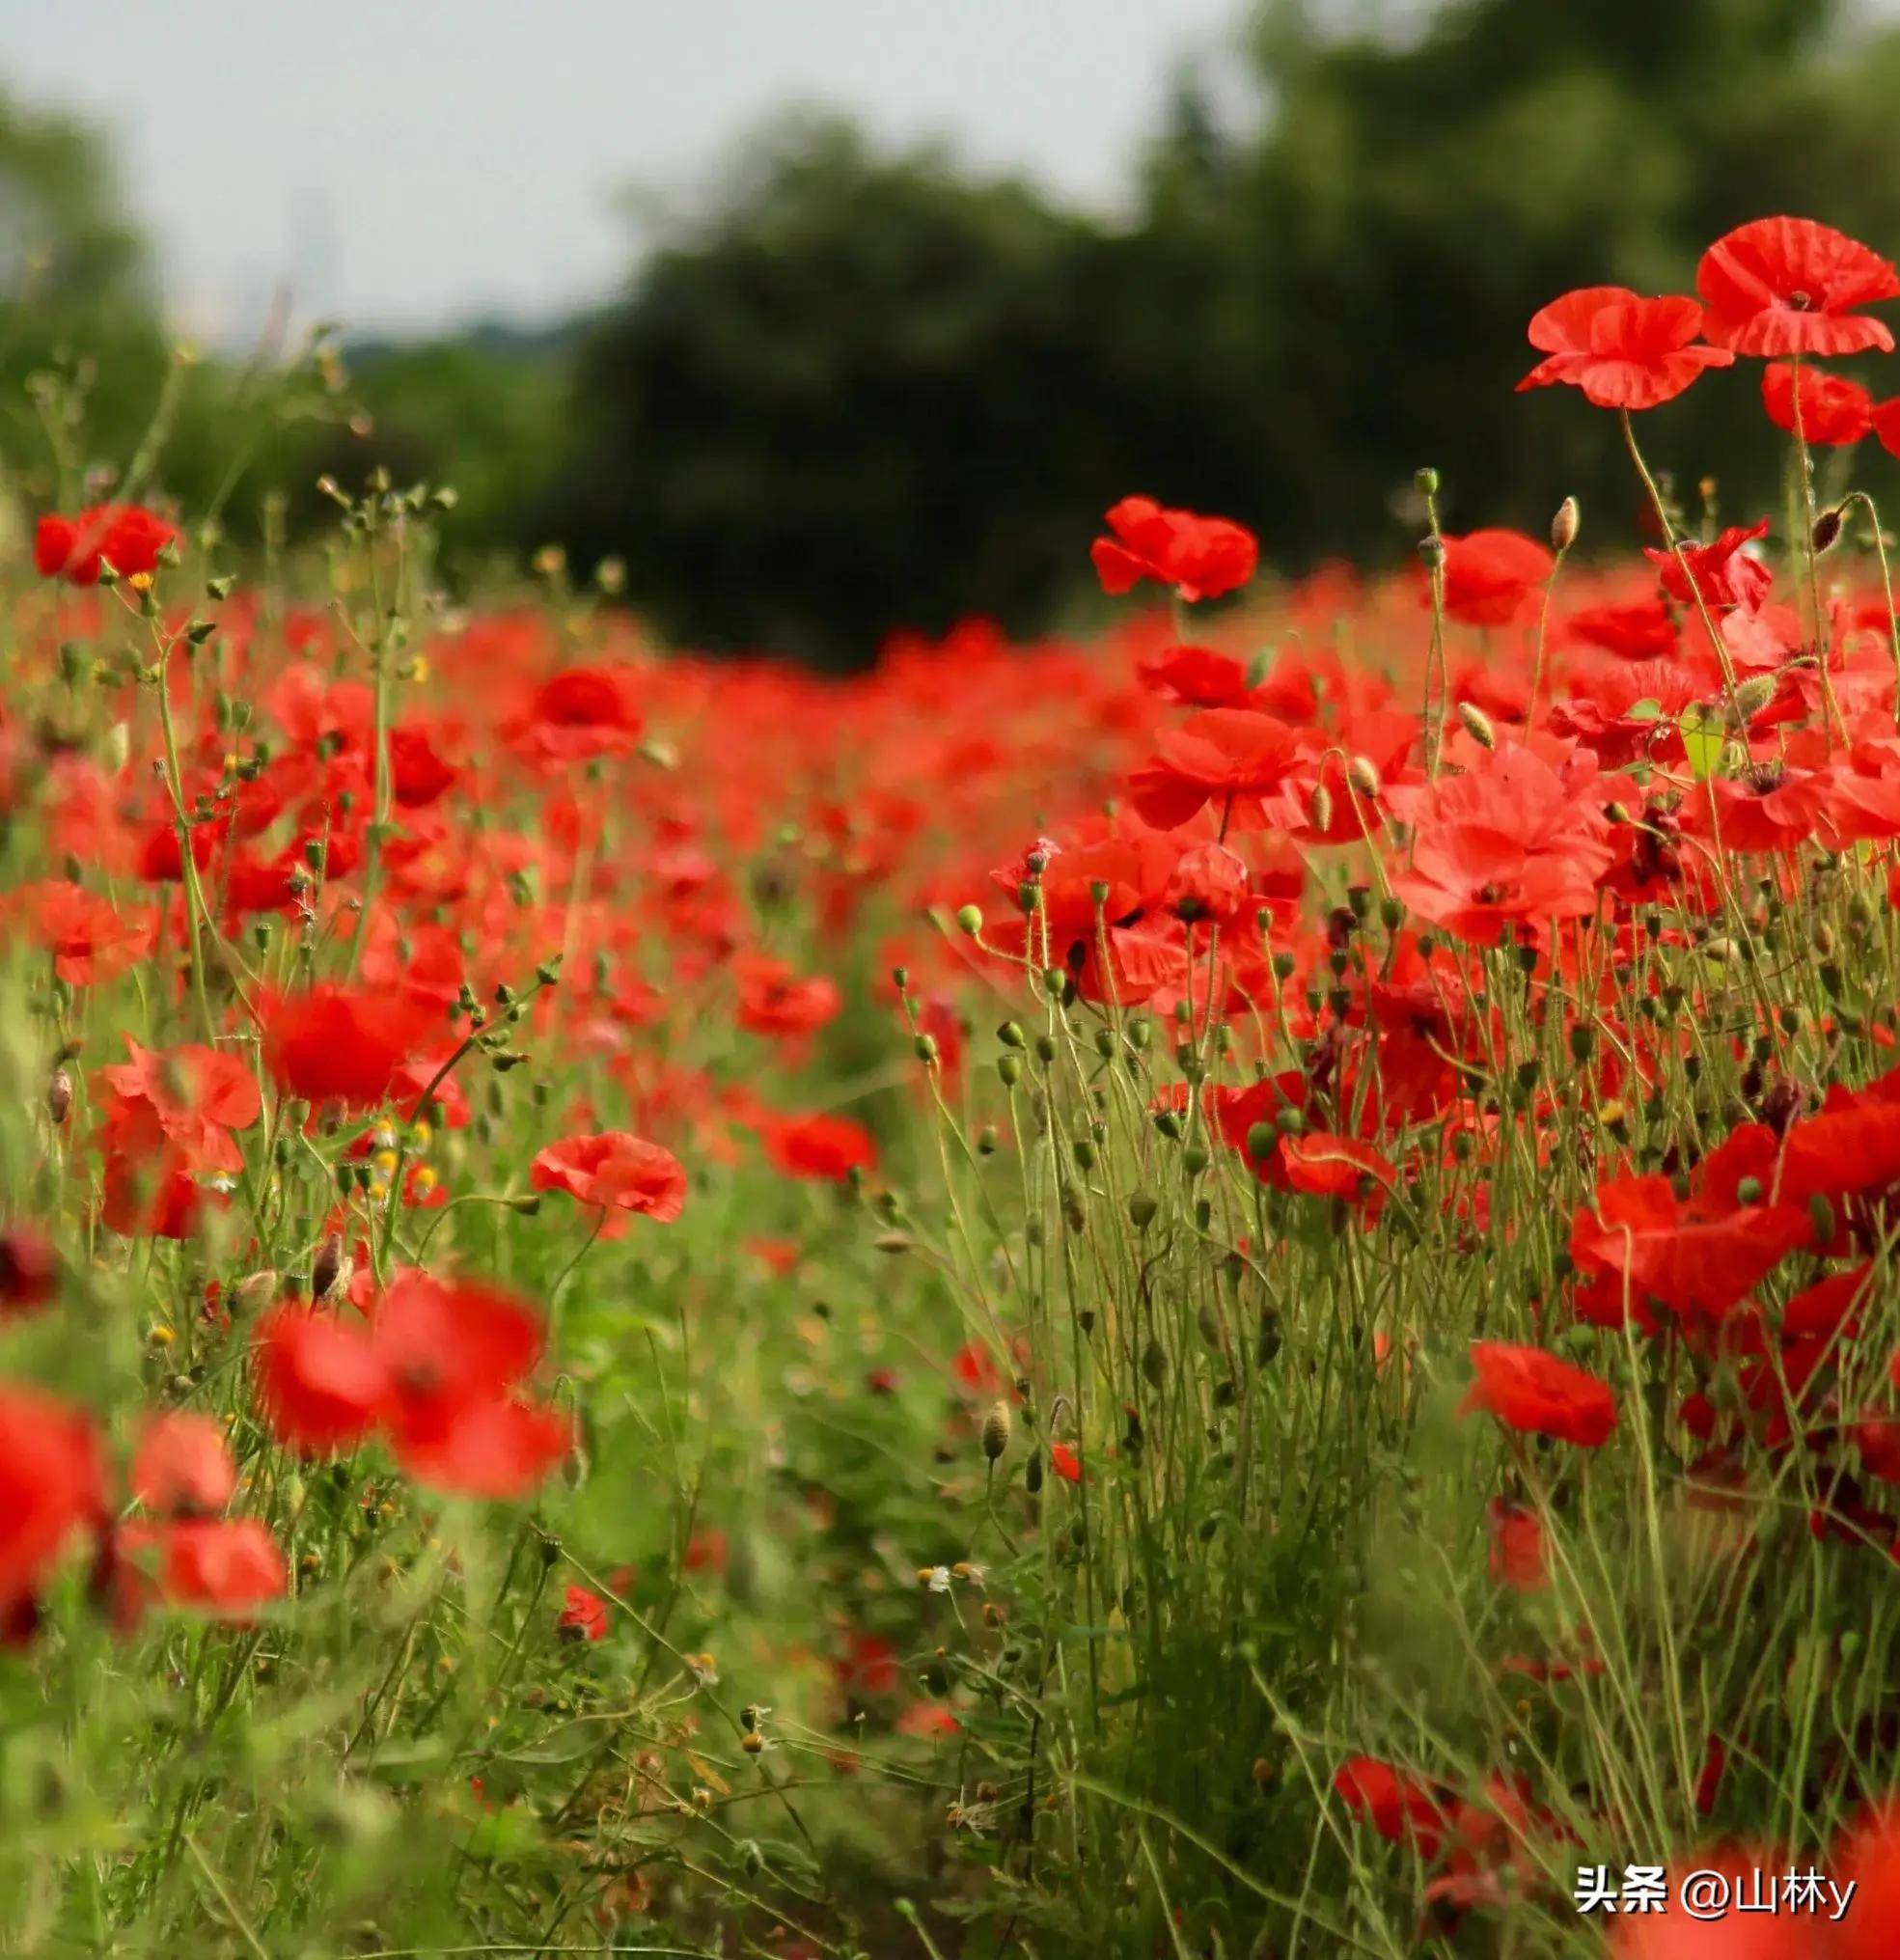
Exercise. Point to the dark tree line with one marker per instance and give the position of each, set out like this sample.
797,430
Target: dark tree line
858,390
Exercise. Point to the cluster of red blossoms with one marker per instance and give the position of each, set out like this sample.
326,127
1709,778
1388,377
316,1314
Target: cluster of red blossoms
184,1551
1779,287
1574,815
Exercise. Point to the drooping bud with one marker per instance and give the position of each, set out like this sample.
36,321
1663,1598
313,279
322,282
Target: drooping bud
1478,725
1319,807
1563,526
997,1425
1753,695
1827,529
59,1094
1363,773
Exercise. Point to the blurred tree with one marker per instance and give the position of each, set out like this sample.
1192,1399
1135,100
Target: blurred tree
480,412
75,294
863,391
1413,199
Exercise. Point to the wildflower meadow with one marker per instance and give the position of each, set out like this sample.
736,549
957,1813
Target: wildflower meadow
1221,1287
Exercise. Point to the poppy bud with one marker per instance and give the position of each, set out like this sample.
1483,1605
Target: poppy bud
254,1289
59,1094
1827,529
1753,695
1563,526
1319,807
1032,1473
1478,725
327,1269
997,1427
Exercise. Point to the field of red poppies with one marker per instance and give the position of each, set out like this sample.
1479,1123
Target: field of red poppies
1226,1289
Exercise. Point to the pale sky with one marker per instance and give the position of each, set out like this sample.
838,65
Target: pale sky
406,163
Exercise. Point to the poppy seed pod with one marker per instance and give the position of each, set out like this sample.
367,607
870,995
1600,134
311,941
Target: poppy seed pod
997,1425
327,1270
1563,526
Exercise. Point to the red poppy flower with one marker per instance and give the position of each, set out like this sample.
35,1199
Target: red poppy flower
1080,897
578,714
29,1272
1401,1807
453,1356
1867,1856
1490,575
1518,1556
1196,677
1201,557
1738,1935
1512,843
1228,756
582,1616
1632,629
183,1466
320,1384
821,1146
1535,1393
1725,574
773,999
418,775
1065,1463
1835,411
227,1567
343,1044
1622,350
1338,1167
52,1489
1885,420
191,1097
1696,1256
92,941
123,536
616,1170
1789,285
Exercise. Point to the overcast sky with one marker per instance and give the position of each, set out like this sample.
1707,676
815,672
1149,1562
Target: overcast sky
410,163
